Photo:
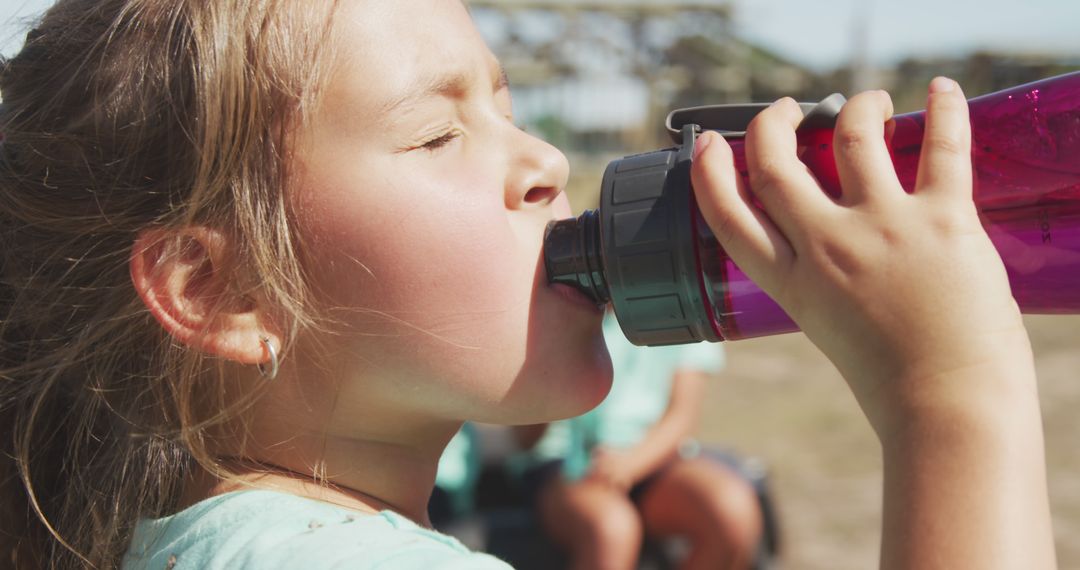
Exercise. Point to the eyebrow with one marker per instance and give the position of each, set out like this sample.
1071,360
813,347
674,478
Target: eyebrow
449,85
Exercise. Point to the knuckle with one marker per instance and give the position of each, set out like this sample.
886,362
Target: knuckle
836,255
945,144
842,261
949,221
866,111
850,137
759,183
723,224
766,176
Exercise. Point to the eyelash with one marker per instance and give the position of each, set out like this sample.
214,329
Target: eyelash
445,139
440,141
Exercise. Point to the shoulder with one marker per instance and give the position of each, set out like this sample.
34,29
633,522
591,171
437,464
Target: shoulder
269,530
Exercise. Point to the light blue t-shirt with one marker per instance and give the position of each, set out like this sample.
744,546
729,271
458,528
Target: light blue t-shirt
638,399
268,530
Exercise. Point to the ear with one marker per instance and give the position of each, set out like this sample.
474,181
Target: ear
185,278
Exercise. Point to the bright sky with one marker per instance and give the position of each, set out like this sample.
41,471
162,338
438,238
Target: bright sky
821,33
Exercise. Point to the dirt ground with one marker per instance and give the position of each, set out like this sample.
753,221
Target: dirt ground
780,400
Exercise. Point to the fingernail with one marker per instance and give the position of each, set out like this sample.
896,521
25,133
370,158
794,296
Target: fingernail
942,85
703,143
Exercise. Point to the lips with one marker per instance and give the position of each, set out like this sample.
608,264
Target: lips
576,297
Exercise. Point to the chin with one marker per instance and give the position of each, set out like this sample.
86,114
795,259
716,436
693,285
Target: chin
594,383
560,387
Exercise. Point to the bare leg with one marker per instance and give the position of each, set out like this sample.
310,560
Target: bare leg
599,527
709,505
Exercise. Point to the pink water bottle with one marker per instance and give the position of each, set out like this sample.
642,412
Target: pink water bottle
648,251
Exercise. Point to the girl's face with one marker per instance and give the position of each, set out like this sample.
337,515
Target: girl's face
422,209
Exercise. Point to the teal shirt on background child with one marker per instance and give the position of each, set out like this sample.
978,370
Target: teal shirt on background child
459,470
269,530
638,399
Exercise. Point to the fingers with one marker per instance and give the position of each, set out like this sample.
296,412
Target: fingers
945,162
862,159
745,232
779,180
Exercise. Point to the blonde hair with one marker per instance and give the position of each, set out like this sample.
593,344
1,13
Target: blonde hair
117,116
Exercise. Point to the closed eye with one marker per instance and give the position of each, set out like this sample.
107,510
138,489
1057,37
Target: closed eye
440,141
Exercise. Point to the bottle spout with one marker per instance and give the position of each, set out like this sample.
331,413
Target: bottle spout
572,255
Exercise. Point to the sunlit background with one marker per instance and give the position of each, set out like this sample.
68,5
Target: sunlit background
597,78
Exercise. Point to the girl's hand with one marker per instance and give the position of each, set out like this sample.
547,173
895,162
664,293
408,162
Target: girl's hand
896,289
907,296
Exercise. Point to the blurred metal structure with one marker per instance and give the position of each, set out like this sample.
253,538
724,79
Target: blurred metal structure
596,75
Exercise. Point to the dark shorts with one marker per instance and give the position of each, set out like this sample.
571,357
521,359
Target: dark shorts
535,479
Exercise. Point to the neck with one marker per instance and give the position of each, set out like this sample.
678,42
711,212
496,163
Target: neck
389,465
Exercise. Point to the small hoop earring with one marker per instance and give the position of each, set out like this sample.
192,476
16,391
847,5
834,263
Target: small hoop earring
272,373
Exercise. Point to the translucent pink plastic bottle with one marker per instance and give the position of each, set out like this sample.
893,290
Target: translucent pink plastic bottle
1026,152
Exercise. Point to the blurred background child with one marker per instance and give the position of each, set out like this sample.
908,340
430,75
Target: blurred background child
630,469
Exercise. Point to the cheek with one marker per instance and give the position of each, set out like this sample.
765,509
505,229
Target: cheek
447,263
436,302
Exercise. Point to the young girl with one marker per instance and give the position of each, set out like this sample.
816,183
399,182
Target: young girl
261,259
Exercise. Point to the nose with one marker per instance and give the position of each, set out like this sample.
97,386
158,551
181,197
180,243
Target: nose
538,172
